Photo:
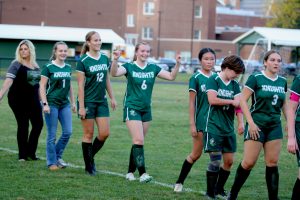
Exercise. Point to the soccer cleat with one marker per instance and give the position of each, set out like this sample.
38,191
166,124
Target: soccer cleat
61,163
178,187
145,178
130,177
222,194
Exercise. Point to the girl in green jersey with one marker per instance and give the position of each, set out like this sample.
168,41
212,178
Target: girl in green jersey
55,90
263,129
137,102
198,107
93,83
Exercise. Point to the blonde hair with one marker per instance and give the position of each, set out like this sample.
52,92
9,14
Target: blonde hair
32,56
53,56
137,46
85,46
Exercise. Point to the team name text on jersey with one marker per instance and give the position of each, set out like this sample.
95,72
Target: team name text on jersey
143,74
61,74
270,88
96,68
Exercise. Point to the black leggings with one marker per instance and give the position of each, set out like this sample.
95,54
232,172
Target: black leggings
24,113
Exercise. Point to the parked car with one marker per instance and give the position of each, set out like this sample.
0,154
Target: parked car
161,65
122,60
252,66
217,67
169,62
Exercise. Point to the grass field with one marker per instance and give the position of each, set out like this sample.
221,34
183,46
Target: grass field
166,146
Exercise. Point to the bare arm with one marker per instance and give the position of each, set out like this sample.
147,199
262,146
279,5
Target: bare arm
80,81
240,121
115,70
171,75
214,100
291,110
43,96
110,93
72,99
192,99
5,87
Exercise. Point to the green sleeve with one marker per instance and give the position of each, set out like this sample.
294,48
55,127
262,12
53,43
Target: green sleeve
251,83
45,71
212,84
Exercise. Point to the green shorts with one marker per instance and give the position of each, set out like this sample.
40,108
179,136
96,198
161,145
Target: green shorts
94,110
132,114
297,132
265,134
217,143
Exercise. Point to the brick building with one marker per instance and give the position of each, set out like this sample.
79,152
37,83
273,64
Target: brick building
170,26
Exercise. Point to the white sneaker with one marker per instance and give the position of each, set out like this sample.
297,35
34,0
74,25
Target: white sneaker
61,163
145,178
130,177
178,187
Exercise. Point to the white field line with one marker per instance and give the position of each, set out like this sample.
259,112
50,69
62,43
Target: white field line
112,173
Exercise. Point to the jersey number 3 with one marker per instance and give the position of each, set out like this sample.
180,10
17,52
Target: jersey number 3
275,99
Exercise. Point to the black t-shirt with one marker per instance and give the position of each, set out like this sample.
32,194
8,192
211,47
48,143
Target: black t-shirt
25,87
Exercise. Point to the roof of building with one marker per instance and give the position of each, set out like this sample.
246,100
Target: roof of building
277,36
55,33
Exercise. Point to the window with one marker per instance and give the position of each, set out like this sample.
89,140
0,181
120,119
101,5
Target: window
197,35
198,11
170,54
147,33
130,20
148,8
185,56
131,38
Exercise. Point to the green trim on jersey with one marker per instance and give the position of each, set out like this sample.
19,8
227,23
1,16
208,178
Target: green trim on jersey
95,71
58,85
295,88
197,84
220,119
140,82
267,99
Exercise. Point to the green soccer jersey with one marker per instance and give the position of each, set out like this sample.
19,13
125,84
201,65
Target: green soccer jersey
58,86
267,98
295,88
220,119
140,82
197,84
95,71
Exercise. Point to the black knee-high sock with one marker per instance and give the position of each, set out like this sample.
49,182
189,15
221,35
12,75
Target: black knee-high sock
139,159
185,169
239,180
97,145
211,180
223,176
131,166
296,190
272,179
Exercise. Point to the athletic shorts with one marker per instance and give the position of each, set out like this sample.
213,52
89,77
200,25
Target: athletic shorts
265,134
94,110
297,132
132,114
217,143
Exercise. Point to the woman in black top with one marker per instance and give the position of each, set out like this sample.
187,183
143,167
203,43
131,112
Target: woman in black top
22,81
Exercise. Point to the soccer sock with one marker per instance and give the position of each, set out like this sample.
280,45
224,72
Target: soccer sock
87,156
239,180
296,190
211,180
223,176
131,166
185,169
139,159
97,145
272,179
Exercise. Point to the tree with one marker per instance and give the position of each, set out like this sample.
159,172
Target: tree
285,14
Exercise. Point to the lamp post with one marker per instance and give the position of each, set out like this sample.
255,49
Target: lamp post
158,33
192,27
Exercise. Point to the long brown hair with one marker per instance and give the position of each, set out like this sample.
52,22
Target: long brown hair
268,53
85,46
137,46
